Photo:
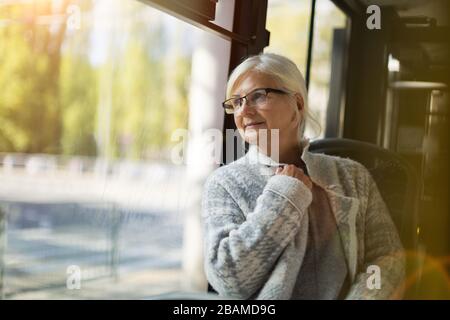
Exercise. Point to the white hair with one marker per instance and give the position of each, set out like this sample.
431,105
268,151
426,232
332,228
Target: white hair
284,71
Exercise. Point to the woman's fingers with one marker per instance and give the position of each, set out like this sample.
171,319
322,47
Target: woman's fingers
293,171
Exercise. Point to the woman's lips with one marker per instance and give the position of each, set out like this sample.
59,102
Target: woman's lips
254,125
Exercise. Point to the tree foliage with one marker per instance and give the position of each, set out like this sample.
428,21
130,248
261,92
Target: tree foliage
54,99
29,70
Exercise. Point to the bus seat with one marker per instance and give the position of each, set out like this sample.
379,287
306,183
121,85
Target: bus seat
396,180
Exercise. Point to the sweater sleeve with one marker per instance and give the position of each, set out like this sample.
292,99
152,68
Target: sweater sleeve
240,251
383,250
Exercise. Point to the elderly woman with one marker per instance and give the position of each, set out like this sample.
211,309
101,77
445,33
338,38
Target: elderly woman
315,227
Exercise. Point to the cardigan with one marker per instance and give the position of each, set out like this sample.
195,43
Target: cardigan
255,230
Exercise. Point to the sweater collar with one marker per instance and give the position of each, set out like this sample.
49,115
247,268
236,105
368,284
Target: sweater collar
310,160
255,156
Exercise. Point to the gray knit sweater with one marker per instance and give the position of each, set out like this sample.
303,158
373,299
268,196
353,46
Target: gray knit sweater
255,226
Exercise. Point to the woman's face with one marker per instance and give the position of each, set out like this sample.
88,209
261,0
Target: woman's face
281,111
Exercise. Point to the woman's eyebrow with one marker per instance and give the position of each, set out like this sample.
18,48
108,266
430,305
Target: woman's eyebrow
239,94
253,89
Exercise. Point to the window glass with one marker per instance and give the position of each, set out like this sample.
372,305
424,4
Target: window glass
288,22
328,18
91,94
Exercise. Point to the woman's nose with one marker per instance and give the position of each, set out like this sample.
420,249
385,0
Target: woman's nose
246,108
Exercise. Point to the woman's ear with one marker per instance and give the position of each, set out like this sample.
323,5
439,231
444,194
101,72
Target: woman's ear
300,102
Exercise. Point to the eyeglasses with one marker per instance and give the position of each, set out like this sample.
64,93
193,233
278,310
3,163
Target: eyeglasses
256,98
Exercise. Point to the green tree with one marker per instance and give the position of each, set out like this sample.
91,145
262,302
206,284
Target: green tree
78,96
29,72
148,89
78,91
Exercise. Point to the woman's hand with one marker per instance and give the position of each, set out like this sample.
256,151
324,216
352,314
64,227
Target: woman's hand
294,171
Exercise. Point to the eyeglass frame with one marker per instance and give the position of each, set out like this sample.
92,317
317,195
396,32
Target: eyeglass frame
267,91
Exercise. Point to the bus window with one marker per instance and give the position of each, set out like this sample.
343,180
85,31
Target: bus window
112,118
288,23
92,201
289,26
328,45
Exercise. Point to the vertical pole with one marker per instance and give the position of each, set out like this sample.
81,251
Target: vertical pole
3,221
116,216
310,43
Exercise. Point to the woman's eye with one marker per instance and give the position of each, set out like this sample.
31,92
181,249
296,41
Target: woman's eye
236,102
258,97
